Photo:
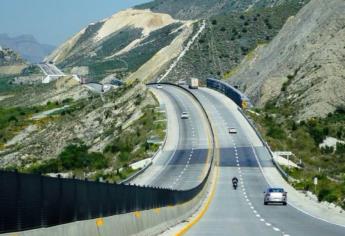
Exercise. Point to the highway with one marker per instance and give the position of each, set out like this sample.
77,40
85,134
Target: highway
241,211
184,161
50,69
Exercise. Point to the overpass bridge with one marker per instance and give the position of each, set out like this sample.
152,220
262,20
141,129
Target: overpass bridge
52,73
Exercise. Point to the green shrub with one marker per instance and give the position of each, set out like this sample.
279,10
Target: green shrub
327,150
73,157
340,148
323,194
276,132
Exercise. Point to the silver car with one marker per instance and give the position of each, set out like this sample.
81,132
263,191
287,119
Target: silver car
232,131
275,195
184,115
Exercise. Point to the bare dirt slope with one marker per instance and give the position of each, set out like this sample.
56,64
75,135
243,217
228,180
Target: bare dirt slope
130,18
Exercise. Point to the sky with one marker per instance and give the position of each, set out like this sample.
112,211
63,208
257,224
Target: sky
54,21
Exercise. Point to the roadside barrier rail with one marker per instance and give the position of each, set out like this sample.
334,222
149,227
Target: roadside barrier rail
243,102
31,201
234,94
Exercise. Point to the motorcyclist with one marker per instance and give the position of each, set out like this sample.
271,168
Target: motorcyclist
234,182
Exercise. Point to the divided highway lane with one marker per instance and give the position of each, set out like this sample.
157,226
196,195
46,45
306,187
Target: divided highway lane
242,212
50,69
184,164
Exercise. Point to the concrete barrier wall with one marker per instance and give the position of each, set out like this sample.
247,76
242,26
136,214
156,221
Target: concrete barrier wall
147,222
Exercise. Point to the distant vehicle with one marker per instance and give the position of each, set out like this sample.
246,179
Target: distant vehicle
184,115
117,82
193,83
159,86
275,195
51,62
181,82
234,185
234,182
232,131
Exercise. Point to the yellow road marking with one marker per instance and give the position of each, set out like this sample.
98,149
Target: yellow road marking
206,206
210,197
157,210
99,222
137,214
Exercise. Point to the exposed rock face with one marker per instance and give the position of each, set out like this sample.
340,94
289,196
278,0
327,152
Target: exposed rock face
122,43
11,62
9,57
304,65
96,122
93,35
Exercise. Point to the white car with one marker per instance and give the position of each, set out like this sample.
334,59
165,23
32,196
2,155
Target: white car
184,115
275,195
232,131
159,86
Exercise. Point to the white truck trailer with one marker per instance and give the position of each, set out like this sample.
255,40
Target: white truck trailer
193,83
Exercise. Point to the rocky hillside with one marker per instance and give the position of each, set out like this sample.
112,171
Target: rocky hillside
10,62
123,43
304,65
28,47
198,9
9,57
35,130
228,38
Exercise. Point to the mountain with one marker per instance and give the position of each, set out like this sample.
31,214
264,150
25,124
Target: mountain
11,63
228,38
27,46
303,66
198,9
9,57
124,43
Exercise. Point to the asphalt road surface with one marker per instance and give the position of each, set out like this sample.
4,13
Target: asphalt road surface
183,164
241,211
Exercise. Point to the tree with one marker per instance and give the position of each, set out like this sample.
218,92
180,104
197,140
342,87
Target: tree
13,118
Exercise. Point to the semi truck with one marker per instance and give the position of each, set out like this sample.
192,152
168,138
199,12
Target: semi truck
193,83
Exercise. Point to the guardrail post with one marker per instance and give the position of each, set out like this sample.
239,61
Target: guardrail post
42,202
86,182
76,207
18,203
60,200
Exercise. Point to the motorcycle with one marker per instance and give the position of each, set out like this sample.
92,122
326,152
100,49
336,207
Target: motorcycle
234,185
234,182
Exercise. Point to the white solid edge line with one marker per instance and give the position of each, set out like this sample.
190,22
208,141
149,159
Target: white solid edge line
299,209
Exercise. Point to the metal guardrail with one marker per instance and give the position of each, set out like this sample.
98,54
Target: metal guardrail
240,99
280,169
31,201
234,94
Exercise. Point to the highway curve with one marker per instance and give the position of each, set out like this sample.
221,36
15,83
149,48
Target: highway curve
241,211
185,158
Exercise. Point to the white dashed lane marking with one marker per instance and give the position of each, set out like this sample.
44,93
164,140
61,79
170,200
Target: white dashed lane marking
240,174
